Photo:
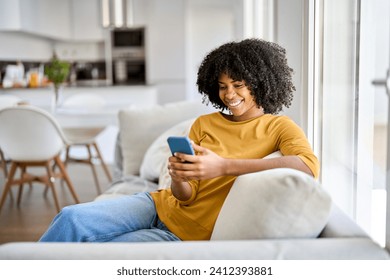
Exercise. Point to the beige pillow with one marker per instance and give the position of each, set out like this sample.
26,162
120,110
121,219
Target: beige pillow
139,127
277,203
155,162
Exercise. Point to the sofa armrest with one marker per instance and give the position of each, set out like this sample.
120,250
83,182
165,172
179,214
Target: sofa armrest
340,225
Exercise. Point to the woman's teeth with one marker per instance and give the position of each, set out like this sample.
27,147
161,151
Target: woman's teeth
234,103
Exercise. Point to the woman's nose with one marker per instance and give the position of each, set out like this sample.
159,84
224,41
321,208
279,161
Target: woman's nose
230,92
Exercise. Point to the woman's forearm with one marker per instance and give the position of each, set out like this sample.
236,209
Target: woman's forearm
236,167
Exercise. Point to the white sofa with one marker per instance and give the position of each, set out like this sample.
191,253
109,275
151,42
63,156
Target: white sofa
273,229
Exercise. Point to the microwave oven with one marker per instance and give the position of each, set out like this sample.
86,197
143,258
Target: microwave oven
128,37
128,44
128,55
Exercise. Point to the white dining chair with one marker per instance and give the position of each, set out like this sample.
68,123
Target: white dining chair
7,100
86,137
84,101
31,137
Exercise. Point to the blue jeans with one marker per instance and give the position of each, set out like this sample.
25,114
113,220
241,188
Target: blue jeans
125,219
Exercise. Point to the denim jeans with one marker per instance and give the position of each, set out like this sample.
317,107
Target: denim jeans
125,219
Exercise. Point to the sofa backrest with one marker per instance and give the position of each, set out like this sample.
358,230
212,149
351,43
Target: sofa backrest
139,127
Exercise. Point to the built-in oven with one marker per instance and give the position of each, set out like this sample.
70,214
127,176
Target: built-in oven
128,55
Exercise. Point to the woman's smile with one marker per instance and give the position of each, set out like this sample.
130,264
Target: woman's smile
238,98
234,103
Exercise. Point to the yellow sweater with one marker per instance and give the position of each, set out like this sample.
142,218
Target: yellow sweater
255,138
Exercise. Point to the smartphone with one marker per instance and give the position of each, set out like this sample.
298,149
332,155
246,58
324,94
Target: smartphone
180,144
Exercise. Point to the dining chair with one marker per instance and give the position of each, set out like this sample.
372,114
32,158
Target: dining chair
86,136
86,101
6,100
31,137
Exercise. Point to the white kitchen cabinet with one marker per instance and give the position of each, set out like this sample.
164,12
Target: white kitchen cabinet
47,18
71,20
10,15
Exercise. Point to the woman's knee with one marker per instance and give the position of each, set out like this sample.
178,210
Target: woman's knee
71,213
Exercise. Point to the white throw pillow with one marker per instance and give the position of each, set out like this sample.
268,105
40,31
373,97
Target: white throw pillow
164,180
276,203
155,160
139,127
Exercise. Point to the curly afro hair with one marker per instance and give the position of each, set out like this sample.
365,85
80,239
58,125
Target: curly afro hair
260,64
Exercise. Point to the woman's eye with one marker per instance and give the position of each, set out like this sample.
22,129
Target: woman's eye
222,88
239,85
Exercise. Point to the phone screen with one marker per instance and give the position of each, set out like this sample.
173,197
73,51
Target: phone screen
180,144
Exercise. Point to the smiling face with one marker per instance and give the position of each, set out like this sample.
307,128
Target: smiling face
237,97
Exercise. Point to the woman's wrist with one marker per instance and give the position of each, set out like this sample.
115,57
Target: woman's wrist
228,167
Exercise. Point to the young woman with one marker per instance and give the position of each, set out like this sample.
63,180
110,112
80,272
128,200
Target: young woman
253,82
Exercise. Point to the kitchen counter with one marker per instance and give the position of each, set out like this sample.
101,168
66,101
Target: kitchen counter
81,83
117,97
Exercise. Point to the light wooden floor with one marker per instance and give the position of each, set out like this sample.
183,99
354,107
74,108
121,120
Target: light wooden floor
30,220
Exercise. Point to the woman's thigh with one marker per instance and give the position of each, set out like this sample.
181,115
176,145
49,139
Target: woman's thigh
118,216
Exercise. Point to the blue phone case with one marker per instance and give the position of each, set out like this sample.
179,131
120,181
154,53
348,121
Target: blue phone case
180,144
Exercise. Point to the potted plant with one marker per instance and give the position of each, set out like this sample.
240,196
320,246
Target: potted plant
57,72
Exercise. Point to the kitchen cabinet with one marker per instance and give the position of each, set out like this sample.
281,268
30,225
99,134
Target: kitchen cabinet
54,19
45,18
10,15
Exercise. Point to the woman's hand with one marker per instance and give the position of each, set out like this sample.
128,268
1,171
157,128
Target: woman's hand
183,167
204,165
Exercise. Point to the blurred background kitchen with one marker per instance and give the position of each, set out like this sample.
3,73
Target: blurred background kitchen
103,41
114,42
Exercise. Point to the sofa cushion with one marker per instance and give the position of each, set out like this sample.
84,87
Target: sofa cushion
139,127
277,203
155,161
